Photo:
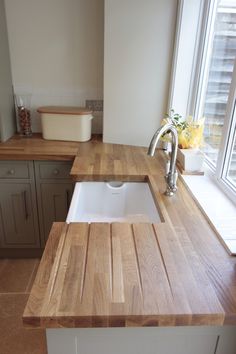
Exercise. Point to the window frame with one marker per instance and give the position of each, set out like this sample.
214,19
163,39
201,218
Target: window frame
206,35
201,74
186,71
228,136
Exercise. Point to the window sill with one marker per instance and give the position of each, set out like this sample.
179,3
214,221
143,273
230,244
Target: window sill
219,210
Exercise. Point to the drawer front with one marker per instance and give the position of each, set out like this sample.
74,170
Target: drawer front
14,169
54,170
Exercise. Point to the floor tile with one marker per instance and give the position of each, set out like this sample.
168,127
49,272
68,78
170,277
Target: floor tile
14,338
15,274
33,275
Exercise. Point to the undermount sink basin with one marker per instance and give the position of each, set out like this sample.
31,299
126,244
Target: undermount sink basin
112,202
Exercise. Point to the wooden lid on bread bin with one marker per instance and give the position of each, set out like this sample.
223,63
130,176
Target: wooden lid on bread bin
64,110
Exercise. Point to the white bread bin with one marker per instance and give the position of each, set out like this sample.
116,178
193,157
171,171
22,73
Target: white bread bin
66,123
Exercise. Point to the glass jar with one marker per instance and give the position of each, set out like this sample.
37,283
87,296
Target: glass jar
23,115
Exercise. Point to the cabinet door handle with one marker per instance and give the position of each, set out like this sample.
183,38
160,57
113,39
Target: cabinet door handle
11,172
25,204
68,199
56,172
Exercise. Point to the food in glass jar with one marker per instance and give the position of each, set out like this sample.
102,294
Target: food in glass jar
24,121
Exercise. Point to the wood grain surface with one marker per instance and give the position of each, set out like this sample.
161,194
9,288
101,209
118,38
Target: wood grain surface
64,110
172,273
122,275
36,148
100,161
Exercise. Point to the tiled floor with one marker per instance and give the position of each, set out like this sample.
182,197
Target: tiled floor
16,278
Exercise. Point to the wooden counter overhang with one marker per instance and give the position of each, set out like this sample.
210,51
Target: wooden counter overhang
36,148
106,275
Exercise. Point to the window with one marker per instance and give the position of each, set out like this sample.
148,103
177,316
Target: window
227,157
231,171
216,91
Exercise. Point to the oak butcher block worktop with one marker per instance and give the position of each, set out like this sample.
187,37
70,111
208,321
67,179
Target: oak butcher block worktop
173,273
123,275
36,148
100,161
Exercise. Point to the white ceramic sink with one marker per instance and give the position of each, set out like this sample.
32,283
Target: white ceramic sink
112,202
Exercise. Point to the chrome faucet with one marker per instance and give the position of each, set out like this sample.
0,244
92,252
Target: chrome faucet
171,173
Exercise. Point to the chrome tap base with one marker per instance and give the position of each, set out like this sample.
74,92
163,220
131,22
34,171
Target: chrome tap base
170,191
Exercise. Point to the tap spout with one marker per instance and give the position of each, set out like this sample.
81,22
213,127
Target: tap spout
171,175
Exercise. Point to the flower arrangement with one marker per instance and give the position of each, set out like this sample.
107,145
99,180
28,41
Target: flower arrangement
190,131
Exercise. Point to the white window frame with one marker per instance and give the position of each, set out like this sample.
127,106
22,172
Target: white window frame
188,72
205,39
198,96
228,136
187,33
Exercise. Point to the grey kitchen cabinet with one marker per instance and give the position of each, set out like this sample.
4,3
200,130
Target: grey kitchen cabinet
18,207
54,193
33,194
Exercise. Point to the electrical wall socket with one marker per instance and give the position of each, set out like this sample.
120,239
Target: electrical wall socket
94,105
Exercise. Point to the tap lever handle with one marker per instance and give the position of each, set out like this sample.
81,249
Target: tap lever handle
167,167
175,177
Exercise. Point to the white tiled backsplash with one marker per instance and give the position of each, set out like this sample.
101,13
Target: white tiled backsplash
62,97
95,105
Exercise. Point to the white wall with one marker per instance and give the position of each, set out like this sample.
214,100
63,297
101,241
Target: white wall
56,49
139,39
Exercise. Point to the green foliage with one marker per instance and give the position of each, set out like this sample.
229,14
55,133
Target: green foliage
177,120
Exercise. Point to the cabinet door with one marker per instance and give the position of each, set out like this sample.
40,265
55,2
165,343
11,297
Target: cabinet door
18,216
55,201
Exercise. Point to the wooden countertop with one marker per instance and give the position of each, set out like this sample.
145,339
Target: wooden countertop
101,161
36,148
172,273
